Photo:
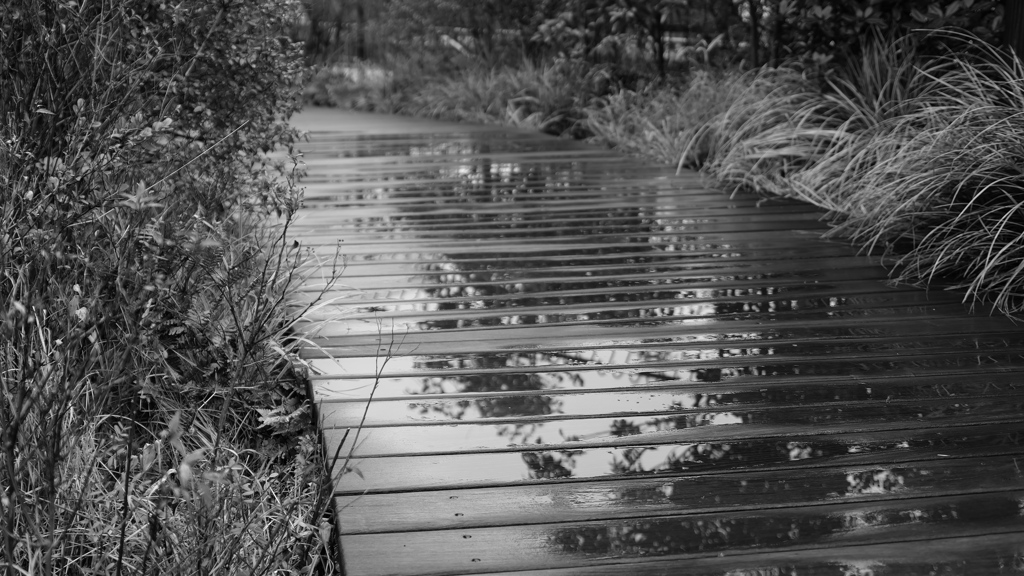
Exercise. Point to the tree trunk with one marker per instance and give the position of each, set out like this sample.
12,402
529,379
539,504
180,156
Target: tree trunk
360,31
755,33
723,15
315,41
659,45
776,34
1013,31
338,24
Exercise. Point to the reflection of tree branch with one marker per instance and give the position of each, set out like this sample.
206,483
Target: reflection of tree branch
378,370
577,360
572,358
522,432
549,465
659,376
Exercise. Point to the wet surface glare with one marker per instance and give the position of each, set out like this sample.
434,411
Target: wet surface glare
577,360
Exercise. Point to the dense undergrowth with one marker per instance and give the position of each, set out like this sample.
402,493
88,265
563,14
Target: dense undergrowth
151,419
915,153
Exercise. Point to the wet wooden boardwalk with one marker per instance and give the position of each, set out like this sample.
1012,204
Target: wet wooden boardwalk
581,364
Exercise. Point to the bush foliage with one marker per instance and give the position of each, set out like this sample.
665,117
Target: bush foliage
144,264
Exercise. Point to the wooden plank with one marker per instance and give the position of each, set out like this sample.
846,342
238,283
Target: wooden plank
420,403
734,327
531,223
412,263
748,270
740,334
589,348
681,538
713,369
682,284
987,377
981,555
556,294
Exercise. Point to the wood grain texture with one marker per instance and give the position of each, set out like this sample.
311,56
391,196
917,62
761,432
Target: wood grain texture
543,357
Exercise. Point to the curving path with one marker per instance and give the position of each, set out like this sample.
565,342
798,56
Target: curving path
584,364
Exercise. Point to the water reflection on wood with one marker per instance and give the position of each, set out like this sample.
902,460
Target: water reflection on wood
582,364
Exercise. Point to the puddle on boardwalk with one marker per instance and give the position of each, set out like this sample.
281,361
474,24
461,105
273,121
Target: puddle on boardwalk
527,311
533,246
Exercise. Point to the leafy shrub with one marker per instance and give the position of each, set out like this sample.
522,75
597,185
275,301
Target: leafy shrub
143,281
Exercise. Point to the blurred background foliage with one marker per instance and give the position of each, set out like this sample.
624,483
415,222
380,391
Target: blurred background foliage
662,34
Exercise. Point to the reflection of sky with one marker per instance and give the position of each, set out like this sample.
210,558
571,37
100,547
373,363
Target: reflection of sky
595,464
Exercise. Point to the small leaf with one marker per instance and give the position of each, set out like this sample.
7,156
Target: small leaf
174,432
185,472
148,456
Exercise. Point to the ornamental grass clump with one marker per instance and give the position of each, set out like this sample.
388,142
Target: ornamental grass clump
662,122
787,135
916,157
144,266
947,198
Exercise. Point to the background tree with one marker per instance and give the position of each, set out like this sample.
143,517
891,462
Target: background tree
637,36
826,31
1014,26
